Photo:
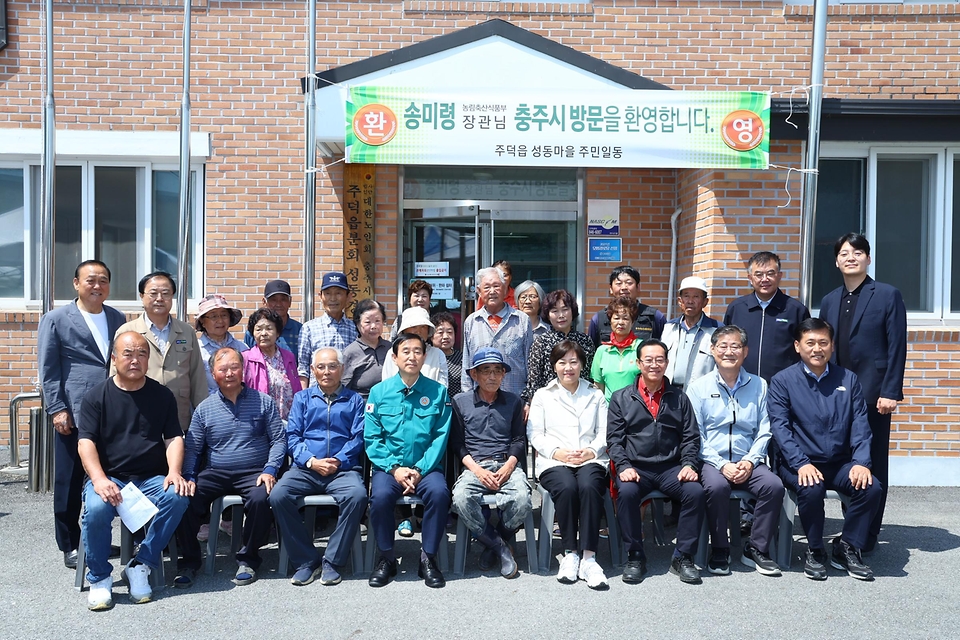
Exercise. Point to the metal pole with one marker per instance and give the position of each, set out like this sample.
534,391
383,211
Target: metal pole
812,158
183,250
310,166
48,168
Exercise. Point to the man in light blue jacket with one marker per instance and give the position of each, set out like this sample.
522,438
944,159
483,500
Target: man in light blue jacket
731,409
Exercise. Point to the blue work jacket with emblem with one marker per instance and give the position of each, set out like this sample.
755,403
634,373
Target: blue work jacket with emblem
407,427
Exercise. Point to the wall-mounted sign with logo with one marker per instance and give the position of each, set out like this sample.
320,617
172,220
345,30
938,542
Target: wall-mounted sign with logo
603,217
547,128
604,250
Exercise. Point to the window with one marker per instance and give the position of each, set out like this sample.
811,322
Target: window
125,214
903,199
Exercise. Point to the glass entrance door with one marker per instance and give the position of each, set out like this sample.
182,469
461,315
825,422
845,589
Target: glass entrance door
447,245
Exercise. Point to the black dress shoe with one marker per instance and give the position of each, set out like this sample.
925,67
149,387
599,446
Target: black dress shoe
635,569
70,559
430,573
814,564
684,568
383,574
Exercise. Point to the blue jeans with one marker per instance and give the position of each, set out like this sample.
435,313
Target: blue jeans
98,520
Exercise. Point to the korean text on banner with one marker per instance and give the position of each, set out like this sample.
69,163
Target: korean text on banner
615,128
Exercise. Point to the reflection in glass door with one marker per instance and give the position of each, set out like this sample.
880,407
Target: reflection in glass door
446,246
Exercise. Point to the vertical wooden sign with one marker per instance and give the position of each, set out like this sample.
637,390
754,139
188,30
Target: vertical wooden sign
359,208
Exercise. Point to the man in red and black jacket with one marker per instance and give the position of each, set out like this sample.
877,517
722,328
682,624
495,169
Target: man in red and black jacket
654,443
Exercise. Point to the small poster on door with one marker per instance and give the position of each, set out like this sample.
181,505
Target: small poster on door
431,269
442,288
604,250
603,217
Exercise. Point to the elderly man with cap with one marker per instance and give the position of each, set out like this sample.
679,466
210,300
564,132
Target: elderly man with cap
276,296
332,329
417,321
488,435
215,316
688,336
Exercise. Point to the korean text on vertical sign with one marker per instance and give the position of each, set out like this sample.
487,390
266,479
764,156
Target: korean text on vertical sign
359,207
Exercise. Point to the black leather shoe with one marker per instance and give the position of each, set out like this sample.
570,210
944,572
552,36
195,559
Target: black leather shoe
70,559
635,569
430,573
814,564
685,569
383,574
847,558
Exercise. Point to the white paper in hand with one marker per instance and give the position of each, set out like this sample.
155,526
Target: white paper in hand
136,509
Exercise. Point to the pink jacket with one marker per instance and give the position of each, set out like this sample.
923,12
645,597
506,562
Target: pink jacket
255,373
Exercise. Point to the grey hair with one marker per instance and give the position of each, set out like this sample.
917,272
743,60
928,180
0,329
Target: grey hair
489,271
728,330
529,284
222,352
339,353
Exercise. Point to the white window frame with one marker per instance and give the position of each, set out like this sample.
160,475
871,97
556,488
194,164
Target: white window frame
939,260
145,247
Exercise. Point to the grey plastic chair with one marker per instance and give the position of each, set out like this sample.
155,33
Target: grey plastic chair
309,505
785,536
157,577
217,508
547,512
464,539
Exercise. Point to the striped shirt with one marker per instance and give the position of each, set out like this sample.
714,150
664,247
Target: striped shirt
245,435
323,332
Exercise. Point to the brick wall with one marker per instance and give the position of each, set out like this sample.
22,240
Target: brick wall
119,68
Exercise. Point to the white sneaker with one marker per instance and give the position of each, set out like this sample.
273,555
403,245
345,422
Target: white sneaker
101,595
138,578
569,566
591,573
204,534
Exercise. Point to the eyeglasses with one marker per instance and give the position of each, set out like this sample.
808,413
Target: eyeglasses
765,275
735,348
162,294
529,296
648,362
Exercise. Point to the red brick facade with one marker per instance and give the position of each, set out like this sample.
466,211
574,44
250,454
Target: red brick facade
118,68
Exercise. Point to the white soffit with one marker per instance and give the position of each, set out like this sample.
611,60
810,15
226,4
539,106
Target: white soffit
105,144
494,63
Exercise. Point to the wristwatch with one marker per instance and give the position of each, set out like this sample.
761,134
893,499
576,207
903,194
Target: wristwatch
310,463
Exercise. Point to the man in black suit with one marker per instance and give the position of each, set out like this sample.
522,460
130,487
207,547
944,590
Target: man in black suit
871,322
74,343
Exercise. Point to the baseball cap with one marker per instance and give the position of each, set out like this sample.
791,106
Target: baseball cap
694,282
334,279
276,286
488,355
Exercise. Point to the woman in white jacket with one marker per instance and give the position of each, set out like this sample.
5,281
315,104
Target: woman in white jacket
567,427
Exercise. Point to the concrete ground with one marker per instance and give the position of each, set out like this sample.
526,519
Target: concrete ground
914,595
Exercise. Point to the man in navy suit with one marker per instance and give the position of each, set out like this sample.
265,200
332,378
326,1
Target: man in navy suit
871,322
74,345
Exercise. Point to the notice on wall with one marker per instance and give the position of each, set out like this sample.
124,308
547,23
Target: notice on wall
442,288
604,250
359,208
603,217
431,269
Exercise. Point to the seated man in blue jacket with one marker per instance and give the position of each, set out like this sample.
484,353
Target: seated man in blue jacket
819,421
731,408
325,439
406,425
654,443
